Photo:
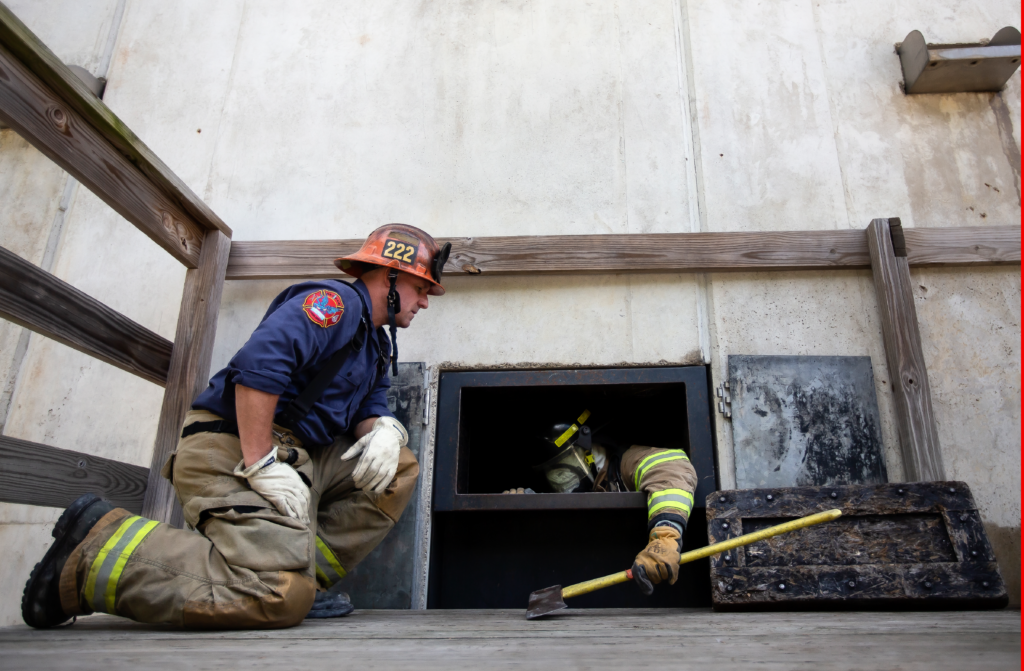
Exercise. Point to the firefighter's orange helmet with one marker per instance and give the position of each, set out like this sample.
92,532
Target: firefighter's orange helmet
401,247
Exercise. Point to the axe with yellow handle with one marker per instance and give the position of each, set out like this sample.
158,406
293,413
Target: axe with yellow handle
546,601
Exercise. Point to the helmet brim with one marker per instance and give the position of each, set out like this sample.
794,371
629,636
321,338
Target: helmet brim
359,264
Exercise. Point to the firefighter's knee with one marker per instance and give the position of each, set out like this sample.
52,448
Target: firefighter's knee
296,600
396,497
285,600
408,466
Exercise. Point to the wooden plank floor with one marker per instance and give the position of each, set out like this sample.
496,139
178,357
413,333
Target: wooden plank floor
575,639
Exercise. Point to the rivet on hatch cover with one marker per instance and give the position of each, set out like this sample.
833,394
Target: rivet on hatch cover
984,583
851,584
725,525
721,499
952,490
782,586
963,518
834,494
974,553
729,588
900,492
769,497
927,584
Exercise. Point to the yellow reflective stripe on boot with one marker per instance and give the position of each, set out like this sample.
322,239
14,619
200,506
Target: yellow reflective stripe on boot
328,568
106,569
669,498
654,460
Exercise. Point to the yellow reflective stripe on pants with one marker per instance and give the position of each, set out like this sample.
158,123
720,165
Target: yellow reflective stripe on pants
654,460
106,569
328,568
669,498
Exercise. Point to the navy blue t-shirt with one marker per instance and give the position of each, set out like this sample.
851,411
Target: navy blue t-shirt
304,326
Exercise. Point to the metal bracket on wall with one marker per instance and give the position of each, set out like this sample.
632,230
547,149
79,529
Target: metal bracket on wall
957,68
94,84
725,402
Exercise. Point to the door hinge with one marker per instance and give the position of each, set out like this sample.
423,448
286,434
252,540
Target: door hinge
725,402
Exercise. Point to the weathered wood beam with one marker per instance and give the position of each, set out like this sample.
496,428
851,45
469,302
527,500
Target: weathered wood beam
577,254
37,300
41,475
963,246
918,432
60,132
189,368
662,252
63,84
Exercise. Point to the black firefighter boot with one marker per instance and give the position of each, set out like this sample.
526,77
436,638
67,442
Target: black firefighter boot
40,602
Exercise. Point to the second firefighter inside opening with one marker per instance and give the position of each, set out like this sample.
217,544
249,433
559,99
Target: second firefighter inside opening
575,457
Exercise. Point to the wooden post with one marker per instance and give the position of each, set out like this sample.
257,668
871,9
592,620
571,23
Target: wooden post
190,367
919,438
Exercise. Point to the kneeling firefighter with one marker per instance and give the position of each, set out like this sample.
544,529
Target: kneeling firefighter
575,462
290,468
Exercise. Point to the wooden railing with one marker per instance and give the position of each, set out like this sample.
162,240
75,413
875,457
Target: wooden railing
645,253
50,107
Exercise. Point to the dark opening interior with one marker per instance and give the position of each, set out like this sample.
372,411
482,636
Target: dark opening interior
490,550
495,559
500,427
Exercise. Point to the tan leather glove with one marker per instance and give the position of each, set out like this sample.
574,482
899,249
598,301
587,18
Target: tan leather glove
659,560
380,447
278,483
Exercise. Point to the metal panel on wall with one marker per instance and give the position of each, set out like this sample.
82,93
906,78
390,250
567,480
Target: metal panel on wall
805,420
385,578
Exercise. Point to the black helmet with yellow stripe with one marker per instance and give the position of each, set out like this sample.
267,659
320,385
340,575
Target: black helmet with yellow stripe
568,465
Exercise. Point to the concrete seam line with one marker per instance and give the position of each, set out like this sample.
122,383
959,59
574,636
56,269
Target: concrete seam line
695,186
11,383
57,228
228,87
1004,122
49,256
833,114
108,49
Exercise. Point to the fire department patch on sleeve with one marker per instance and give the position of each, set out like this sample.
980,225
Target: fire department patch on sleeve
323,307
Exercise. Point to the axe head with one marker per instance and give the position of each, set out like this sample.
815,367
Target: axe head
544,602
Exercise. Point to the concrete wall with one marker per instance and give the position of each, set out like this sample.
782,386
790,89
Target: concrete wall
529,117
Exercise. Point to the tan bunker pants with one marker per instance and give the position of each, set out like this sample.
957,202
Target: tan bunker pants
245,565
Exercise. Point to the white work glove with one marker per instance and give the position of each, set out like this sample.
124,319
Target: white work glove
380,448
278,483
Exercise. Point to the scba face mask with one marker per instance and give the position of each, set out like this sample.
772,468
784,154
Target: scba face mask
568,470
